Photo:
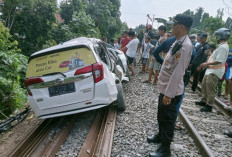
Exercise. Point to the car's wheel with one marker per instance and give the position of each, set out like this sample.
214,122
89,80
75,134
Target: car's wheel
121,98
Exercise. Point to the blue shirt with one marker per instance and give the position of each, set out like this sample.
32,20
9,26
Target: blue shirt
229,58
165,46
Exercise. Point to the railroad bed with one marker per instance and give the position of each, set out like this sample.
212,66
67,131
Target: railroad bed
210,125
139,121
134,125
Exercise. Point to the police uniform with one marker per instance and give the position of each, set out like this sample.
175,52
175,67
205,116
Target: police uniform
171,84
200,58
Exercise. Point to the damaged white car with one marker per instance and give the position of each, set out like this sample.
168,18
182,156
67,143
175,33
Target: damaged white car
76,76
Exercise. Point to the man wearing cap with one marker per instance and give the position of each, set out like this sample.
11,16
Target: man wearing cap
200,58
171,85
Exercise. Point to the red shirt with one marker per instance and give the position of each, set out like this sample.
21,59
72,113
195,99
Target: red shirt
124,42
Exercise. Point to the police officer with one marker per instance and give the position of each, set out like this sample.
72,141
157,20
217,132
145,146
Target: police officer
171,85
200,58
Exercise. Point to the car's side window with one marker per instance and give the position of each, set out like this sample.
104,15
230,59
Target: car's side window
103,54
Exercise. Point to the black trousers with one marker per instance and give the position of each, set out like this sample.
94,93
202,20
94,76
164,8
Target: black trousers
166,119
195,80
202,74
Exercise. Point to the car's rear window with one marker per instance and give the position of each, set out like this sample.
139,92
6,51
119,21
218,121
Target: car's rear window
60,62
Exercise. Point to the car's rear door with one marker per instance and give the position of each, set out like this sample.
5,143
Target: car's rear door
67,77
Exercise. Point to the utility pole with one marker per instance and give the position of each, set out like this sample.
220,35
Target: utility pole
153,19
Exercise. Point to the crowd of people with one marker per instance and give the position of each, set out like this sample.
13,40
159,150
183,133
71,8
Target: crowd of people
173,58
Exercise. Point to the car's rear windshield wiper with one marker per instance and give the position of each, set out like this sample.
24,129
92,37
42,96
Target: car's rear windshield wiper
55,73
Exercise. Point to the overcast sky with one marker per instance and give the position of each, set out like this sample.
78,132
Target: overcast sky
134,12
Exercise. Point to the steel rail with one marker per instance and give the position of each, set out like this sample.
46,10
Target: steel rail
221,106
53,146
200,143
100,137
107,138
31,142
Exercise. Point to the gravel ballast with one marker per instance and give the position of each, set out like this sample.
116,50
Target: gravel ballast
139,120
210,125
77,136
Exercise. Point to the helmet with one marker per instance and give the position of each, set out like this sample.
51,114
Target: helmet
222,34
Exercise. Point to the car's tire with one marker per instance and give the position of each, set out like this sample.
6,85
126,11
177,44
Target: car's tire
121,98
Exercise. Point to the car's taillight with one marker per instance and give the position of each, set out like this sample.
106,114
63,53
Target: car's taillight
32,81
84,70
98,73
96,69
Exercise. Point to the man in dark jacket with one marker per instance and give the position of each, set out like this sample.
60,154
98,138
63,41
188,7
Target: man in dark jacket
200,58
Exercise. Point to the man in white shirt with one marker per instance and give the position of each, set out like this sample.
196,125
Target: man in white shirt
215,70
131,49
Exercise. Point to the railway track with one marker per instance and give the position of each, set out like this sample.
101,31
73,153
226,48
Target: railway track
207,128
100,137
98,141
222,107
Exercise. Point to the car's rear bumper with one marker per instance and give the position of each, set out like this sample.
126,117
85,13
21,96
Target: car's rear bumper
69,112
104,95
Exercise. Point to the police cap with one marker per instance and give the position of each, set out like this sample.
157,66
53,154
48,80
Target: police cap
185,20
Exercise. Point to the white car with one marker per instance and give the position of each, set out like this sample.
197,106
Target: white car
122,57
122,61
118,58
76,76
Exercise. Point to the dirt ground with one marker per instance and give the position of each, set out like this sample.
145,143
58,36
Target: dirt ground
10,139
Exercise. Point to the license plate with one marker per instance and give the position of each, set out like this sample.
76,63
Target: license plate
61,89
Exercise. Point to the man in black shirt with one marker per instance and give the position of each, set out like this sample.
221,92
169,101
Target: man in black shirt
200,58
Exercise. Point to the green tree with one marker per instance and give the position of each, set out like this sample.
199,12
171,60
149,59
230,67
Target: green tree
198,17
139,28
68,7
12,73
220,13
228,23
11,8
106,15
161,20
211,24
32,25
83,25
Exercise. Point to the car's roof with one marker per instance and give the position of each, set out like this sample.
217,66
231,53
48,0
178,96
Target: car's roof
81,41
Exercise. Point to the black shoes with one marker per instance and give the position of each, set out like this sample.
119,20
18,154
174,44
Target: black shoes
154,139
193,89
162,151
228,133
200,103
206,108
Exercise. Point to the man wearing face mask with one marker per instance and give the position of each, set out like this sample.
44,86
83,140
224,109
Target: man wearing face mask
171,85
